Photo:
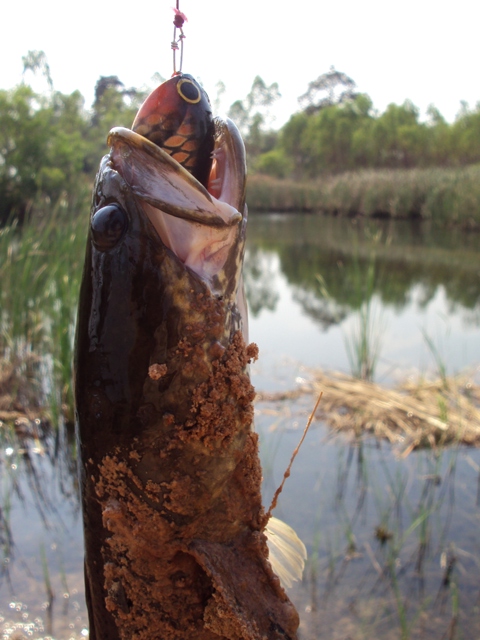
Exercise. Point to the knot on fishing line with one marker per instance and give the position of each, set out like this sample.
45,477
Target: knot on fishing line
177,43
179,19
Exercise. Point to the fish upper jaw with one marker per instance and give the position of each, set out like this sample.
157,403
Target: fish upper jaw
204,228
227,180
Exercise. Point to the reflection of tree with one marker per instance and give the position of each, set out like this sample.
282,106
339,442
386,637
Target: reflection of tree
259,274
408,260
324,311
37,462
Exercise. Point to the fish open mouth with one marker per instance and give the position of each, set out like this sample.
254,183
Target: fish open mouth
202,226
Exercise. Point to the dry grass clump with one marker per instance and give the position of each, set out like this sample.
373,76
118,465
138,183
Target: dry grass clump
20,393
417,414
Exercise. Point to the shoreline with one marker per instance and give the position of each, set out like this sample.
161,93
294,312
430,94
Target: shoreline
445,196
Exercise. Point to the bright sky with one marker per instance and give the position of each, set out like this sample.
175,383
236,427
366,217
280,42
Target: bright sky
424,50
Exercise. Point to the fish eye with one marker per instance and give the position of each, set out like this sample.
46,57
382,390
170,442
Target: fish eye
189,91
108,226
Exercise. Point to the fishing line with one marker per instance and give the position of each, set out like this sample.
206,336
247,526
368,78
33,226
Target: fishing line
177,43
294,455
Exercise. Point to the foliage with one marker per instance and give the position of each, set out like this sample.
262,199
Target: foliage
43,260
252,117
50,146
442,195
333,87
338,130
274,163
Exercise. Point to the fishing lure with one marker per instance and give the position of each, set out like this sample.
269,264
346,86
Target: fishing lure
177,117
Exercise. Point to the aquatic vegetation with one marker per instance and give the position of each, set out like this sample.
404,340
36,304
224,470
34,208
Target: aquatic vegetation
409,416
446,196
364,339
418,579
40,270
363,342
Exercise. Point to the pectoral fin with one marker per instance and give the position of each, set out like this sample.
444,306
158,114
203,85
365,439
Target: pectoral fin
287,552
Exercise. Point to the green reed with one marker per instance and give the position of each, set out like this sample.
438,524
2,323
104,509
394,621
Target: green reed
444,195
46,575
416,529
364,340
440,362
40,271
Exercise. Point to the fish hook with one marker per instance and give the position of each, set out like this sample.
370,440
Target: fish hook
178,21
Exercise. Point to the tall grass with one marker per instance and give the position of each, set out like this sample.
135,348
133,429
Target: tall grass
363,341
40,271
363,338
443,195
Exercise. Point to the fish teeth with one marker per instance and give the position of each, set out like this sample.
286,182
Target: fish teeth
217,153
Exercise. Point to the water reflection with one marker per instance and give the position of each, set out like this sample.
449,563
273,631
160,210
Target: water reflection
317,273
407,256
393,542
41,579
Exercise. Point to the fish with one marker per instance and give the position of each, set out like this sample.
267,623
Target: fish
174,527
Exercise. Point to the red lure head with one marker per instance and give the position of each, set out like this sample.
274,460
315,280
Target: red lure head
177,117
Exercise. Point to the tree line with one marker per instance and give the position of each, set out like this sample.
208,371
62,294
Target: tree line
50,144
338,129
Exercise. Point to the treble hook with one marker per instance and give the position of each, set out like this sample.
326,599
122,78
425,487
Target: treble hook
178,21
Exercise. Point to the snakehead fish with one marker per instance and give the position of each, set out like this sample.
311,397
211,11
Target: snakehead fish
175,544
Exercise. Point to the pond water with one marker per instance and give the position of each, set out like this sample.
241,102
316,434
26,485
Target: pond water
307,277
393,543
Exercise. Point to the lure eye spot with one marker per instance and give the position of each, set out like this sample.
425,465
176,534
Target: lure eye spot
189,91
108,226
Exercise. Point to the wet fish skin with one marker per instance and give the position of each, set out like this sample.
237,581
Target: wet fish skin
169,467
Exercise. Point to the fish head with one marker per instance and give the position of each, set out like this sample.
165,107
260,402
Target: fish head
203,226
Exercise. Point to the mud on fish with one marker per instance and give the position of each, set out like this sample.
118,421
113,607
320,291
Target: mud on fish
175,544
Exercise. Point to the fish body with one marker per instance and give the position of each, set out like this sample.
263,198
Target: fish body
174,526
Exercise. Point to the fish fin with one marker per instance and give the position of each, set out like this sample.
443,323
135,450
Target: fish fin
287,552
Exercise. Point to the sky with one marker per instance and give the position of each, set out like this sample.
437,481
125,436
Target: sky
422,50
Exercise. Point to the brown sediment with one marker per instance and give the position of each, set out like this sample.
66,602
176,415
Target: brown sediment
20,391
185,556
223,403
157,371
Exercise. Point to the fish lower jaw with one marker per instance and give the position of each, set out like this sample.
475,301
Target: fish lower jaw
202,248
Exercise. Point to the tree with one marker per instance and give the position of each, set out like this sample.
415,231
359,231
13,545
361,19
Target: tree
399,139
42,146
323,141
253,117
291,141
331,88
466,134
37,61
114,106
